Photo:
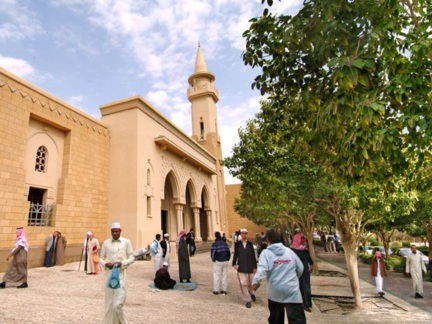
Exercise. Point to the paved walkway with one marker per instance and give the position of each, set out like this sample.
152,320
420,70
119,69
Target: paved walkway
395,283
64,295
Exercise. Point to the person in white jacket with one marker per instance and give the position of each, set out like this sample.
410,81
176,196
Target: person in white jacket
282,268
156,252
415,267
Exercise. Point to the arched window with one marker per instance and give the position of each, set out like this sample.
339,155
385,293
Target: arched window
201,128
41,159
148,177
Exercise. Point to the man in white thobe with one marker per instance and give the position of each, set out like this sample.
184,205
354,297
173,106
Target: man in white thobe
116,251
416,268
156,252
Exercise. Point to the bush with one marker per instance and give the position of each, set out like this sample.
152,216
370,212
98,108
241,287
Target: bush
395,263
396,245
365,258
424,249
373,241
406,244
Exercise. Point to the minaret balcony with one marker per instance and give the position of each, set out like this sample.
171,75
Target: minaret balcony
203,89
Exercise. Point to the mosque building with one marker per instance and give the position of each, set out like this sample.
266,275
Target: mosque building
62,169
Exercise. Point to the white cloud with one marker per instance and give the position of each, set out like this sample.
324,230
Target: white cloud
158,98
18,21
17,66
75,100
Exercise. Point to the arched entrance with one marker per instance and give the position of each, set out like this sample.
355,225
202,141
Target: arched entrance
169,212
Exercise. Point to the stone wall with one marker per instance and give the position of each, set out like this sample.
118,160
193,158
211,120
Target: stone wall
81,190
235,221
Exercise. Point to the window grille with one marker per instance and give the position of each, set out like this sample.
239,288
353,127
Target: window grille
41,159
40,215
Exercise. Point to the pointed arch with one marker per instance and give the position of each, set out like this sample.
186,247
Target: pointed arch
191,188
173,179
205,198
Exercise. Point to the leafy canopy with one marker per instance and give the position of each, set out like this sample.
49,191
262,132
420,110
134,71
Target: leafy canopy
352,78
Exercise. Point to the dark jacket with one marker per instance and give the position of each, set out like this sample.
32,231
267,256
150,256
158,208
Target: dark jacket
163,280
220,251
163,245
244,257
374,267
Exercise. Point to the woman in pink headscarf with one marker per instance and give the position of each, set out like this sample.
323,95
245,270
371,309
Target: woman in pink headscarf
17,269
299,246
378,270
183,257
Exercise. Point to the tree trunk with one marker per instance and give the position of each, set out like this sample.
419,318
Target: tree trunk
352,269
315,269
310,227
386,238
348,224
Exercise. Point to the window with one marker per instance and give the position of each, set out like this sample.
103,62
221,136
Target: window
148,177
201,128
39,214
148,206
41,159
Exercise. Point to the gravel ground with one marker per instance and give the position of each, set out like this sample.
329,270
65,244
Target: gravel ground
64,295
61,294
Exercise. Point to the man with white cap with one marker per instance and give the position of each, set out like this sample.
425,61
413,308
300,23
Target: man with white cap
244,261
116,252
166,249
162,278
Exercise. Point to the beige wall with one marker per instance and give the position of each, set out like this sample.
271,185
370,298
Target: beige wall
128,167
144,142
235,221
76,181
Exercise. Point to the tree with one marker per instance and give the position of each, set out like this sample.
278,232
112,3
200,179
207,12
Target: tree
389,208
351,81
280,183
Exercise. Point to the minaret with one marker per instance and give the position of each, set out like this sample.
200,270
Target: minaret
203,96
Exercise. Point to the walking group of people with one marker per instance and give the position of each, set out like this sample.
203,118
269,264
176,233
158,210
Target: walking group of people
287,271
414,268
331,241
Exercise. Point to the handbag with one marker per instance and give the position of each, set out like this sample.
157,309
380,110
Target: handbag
114,278
95,258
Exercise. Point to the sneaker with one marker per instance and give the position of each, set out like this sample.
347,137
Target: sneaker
248,305
253,297
381,293
3,285
224,293
417,295
23,285
215,293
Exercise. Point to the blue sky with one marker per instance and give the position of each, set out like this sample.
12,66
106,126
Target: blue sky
91,52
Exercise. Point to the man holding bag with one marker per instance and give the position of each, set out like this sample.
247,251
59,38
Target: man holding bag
116,253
